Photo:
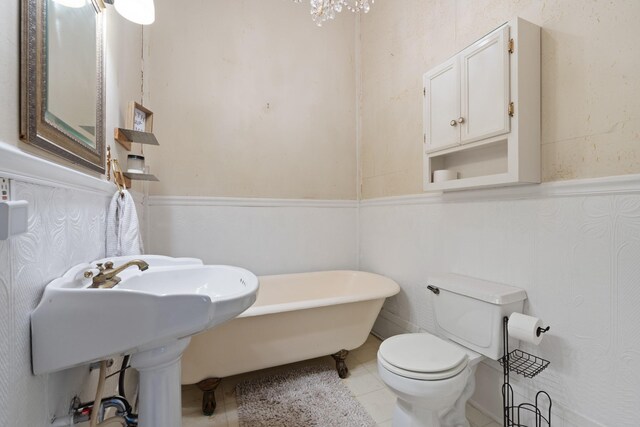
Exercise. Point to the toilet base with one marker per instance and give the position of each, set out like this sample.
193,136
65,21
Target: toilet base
407,415
413,414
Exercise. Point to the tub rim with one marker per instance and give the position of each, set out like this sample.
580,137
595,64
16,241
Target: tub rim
392,288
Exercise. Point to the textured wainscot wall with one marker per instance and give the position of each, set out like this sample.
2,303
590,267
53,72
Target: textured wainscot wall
573,246
590,83
66,226
266,236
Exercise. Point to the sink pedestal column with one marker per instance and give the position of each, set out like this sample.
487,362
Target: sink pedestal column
160,397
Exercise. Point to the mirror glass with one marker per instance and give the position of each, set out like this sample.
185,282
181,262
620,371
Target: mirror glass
62,88
71,68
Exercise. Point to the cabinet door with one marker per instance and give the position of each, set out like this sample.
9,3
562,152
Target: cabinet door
442,106
485,87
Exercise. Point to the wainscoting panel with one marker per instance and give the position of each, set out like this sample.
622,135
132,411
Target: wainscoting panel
578,257
262,235
66,227
6,333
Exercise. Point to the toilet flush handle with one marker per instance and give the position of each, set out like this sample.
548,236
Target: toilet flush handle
433,289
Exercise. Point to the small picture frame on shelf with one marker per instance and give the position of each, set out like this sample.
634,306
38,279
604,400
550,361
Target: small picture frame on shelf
138,127
139,118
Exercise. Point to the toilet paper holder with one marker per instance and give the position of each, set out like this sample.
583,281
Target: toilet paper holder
528,365
541,331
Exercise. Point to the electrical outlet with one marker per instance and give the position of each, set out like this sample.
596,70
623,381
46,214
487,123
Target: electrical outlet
4,189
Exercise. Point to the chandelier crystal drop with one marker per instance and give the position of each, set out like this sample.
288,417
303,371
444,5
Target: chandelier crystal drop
324,10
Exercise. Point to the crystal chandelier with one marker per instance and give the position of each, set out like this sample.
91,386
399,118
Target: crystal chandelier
323,10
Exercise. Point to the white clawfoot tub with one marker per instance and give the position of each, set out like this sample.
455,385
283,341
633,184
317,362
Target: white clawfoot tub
295,317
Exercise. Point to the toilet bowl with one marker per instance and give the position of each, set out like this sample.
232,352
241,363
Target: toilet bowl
432,379
434,376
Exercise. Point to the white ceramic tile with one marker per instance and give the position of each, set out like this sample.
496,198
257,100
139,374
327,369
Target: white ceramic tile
360,381
364,354
231,407
379,404
372,340
476,417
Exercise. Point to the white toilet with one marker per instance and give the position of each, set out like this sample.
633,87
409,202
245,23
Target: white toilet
434,377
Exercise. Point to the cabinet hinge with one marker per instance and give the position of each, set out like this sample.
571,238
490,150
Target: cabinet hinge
511,46
424,138
424,91
512,109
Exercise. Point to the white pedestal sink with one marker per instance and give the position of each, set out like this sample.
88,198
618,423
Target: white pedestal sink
150,315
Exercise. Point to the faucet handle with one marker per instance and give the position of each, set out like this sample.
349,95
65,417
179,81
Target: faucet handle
108,265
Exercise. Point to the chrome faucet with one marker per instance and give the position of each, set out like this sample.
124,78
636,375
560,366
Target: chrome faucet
107,276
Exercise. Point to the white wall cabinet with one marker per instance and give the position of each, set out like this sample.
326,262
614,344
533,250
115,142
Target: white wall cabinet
485,87
442,106
482,111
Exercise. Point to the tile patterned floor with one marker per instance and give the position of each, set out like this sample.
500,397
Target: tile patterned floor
363,382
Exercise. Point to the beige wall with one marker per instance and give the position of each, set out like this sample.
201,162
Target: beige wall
251,99
590,83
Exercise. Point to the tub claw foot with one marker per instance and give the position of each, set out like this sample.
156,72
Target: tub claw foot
208,388
341,366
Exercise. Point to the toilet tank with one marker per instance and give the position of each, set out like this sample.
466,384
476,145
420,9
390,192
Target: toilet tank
470,311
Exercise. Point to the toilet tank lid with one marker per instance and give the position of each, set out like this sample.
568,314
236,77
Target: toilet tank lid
484,290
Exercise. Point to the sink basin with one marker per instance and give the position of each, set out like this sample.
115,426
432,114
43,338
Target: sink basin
174,298
149,315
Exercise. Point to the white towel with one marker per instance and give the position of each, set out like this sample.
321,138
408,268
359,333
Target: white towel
123,230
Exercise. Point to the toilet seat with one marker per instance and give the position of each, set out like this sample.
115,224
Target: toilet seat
422,356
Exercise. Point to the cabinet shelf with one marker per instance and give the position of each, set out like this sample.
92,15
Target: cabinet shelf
484,181
126,137
477,144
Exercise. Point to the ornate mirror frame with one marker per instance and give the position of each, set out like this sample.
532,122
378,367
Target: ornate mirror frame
34,128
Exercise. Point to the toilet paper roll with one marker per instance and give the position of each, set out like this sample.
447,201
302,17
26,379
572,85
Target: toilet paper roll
444,175
524,328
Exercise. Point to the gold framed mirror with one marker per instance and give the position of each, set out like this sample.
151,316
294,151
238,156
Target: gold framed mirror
62,84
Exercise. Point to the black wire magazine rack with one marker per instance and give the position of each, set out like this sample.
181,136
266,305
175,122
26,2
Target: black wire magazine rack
537,414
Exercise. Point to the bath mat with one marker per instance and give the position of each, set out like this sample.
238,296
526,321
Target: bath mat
303,397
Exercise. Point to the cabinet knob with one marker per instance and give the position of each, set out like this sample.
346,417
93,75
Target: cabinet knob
453,123
460,120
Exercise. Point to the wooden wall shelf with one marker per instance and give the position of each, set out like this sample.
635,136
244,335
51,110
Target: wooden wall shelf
127,177
140,176
125,137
